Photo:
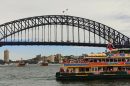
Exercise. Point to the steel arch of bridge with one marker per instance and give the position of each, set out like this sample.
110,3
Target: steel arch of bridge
103,31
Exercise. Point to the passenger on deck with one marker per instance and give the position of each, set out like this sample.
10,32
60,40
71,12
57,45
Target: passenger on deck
67,70
62,70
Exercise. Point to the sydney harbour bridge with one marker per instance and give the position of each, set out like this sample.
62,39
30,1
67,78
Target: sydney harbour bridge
60,30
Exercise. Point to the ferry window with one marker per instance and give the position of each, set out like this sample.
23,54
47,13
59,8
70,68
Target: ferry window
96,69
98,60
119,68
86,60
123,60
72,70
123,69
99,69
81,69
91,60
109,68
119,60
107,60
115,60
95,60
103,60
111,60
104,69
92,69
128,68
87,69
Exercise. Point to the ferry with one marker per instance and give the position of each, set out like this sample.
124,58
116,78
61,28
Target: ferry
114,64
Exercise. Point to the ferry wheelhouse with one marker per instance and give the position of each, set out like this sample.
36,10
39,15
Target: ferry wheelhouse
114,64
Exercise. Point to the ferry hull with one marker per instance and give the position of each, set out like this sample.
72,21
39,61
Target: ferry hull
92,77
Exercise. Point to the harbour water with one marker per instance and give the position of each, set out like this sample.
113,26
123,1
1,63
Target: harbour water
34,75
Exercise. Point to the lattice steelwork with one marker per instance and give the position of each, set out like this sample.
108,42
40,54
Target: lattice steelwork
60,30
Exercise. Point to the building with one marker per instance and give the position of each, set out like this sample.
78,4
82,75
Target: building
6,56
44,59
58,58
51,58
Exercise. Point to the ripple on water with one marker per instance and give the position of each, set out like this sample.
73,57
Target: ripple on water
33,75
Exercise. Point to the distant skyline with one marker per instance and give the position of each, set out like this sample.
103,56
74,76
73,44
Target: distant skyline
28,52
113,13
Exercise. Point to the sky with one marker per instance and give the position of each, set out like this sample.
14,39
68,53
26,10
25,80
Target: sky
113,13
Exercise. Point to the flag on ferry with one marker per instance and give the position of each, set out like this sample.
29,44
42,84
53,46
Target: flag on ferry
110,46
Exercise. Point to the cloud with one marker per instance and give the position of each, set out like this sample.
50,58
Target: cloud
122,17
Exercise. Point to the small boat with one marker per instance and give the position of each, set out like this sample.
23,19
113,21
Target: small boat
43,62
115,65
21,63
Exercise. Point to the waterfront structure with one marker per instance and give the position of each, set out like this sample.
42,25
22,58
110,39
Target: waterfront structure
55,58
58,58
37,58
51,58
44,58
6,56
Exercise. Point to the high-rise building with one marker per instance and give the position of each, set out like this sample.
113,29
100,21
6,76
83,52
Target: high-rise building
6,56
